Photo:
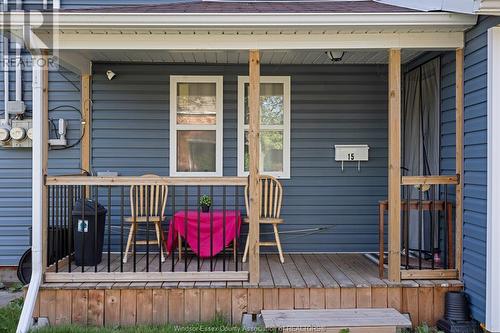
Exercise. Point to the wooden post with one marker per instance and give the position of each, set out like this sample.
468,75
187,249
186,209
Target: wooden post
394,164
459,155
254,150
87,118
45,157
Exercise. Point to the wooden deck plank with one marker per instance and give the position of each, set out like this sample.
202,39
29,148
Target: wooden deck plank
292,272
191,305
344,264
63,307
145,307
128,307
310,278
207,301
270,298
334,318
112,305
160,306
266,278
321,273
239,304
79,307
367,270
96,308
280,279
337,274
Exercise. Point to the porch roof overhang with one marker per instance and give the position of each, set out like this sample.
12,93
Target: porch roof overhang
71,32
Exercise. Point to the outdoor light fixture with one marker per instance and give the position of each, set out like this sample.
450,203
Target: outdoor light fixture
110,74
335,56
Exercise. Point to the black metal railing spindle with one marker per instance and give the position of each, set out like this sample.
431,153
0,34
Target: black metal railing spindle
172,230
122,214
146,206
186,206
109,229
224,228
431,228
96,200
238,224
198,264
82,226
446,245
211,231
70,225
420,217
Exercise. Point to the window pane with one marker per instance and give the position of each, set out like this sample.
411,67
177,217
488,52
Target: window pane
271,103
196,103
196,151
271,145
271,151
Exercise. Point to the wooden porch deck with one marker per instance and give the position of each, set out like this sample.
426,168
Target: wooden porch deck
304,281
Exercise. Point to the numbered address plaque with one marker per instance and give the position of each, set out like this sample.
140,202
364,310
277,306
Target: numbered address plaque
347,153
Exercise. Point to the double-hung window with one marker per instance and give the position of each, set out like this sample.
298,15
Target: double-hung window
274,126
196,125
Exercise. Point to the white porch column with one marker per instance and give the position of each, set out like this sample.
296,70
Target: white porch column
493,230
39,201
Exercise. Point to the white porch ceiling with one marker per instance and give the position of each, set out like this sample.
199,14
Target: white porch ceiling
276,57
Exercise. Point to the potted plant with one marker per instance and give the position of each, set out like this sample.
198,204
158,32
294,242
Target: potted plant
205,203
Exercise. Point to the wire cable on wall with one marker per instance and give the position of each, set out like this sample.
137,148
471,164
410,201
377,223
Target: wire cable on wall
82,122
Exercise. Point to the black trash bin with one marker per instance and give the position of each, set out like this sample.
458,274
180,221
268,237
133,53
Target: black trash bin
88,232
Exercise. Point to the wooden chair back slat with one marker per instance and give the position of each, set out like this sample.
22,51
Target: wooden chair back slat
271,197
148,199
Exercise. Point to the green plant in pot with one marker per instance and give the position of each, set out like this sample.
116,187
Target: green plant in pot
205,203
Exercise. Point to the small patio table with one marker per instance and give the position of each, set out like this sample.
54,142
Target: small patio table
207,234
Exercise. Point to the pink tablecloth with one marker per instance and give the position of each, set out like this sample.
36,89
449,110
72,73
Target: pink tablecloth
232,230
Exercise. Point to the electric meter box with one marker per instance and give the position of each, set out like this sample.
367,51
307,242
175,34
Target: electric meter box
348,153
23,127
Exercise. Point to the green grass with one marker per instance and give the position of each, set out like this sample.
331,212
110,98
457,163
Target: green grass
9,317
217,325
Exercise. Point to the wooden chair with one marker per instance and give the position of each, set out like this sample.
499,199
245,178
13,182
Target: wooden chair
270,209
147,204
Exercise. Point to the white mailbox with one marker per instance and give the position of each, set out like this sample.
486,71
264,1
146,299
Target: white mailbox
351,153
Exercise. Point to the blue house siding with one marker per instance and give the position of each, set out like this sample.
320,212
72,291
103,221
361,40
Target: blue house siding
330,105
15,164
475,154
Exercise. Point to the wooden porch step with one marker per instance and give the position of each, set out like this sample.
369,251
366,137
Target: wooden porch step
373,320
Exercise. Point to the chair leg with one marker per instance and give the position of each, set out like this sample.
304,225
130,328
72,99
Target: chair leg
131,235
159,240
246,250
278,243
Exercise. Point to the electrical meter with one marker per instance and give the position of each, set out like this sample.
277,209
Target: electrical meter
30,133
18,133
4,134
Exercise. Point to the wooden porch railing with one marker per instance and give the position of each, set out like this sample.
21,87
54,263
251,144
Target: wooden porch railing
146,260
427,208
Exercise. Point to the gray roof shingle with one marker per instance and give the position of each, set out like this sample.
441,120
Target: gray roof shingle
308,6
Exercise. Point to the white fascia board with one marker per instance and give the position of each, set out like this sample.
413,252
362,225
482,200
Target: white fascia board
493,209
85,20
213,41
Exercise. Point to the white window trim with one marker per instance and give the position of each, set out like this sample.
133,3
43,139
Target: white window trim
285,80
218,127
493,210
